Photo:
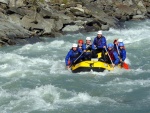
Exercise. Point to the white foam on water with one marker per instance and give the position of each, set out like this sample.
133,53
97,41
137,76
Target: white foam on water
45,98
48,97
122,85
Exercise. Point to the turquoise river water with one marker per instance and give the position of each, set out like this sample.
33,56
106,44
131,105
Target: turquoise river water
33,77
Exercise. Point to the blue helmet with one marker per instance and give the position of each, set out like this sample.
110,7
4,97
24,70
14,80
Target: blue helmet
121,44
110,45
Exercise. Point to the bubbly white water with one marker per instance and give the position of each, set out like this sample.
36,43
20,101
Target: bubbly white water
33,78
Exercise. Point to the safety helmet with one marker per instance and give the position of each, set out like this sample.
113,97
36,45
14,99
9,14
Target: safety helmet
80,41
74,45
115,41
121,44
88,38
110,45
99,32
120,40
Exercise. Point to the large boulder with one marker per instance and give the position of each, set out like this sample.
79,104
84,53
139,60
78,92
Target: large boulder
10,32
45,13
137,17
77,11
124,10
71,28
16,3
46,25
142,7
128,2
4,1
105,27
65,19
15,18
3,16
148,10
58,25
20,11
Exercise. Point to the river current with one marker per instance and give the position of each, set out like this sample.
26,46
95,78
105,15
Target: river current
33,77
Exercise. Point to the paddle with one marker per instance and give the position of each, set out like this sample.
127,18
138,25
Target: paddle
109,57
123,64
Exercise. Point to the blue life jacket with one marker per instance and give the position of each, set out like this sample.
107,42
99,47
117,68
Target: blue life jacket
82,48
99,42
123,54
72,55
114,56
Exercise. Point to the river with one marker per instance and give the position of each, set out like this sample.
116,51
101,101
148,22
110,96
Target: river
33,77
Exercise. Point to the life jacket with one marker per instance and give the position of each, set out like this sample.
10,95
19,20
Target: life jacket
80,47
111,54
74,54
98,41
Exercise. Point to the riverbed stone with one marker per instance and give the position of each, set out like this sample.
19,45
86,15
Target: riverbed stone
70,28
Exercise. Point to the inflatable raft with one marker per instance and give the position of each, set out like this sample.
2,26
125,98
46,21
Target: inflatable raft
93,64
86,66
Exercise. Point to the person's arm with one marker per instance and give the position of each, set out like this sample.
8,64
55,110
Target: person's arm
104,42
94,44
84,47
67,58
123,55
116,58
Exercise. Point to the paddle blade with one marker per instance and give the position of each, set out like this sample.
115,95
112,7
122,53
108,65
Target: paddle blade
125,66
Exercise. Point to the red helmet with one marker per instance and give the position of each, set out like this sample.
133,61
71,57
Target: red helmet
115,41
80,41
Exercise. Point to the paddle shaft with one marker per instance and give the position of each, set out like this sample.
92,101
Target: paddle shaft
117,50
79,57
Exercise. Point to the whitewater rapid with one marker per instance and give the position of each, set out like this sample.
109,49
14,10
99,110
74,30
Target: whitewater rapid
34,79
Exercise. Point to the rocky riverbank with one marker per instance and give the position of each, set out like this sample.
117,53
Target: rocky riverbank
22,21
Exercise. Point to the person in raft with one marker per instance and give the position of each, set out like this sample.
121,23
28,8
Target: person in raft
113,55
81,45
122,52
88,47
116,44
99,45
72,55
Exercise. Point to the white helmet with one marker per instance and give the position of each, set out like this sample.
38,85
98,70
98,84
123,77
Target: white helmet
99,32
74,45
120,40
88,38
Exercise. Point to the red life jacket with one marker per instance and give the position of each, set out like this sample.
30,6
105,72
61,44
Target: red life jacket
111,54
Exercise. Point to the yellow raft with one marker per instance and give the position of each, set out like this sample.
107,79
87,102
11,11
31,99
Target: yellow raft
85,66
93,64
